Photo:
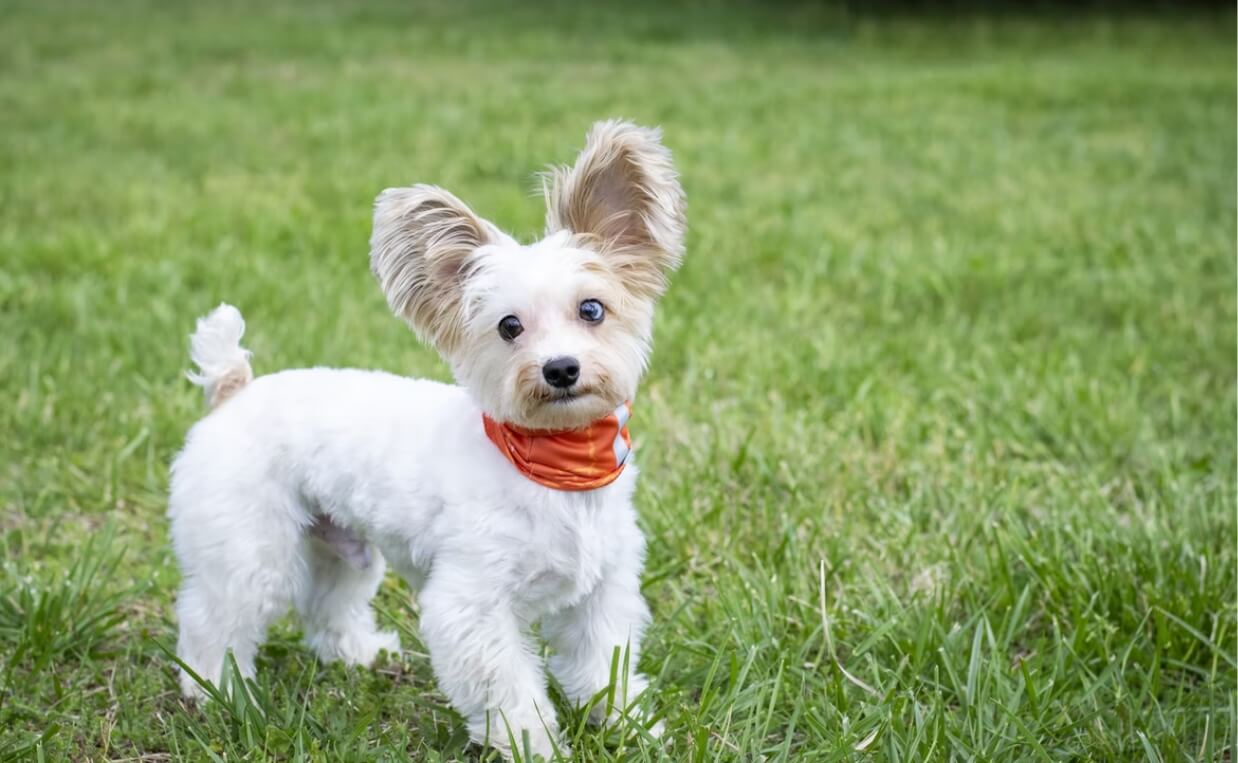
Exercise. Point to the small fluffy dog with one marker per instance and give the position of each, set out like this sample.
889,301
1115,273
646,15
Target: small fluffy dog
505,501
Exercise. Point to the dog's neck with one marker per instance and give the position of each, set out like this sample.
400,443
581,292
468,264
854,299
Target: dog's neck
569,459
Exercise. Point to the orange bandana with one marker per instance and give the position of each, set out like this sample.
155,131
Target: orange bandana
571,459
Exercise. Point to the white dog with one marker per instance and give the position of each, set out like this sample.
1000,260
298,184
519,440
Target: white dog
504,501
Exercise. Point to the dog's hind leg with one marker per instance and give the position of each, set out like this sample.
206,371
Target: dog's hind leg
239,549
343,575
231,612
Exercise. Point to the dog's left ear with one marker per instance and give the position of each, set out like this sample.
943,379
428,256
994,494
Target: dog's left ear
623,197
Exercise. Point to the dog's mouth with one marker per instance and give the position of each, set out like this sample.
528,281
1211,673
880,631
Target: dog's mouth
550,397
562,397
549,408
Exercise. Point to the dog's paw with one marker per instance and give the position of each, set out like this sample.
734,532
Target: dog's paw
547,750
386,641
363,649
191,690
541,744
359,648
636,708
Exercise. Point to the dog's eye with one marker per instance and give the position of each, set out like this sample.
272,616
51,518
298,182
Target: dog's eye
510,328
592,311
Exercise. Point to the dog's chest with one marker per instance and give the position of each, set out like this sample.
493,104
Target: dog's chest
563,563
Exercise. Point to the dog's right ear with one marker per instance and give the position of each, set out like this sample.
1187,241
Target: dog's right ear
423,244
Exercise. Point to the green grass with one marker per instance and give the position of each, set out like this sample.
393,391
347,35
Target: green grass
939,440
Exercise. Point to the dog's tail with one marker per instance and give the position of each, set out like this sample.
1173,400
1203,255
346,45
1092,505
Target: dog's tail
215,347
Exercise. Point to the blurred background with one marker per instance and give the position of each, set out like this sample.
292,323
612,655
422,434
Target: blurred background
938,443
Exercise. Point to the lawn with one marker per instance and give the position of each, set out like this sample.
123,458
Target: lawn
938,443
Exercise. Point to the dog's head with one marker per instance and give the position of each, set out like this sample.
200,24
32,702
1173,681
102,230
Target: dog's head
555,334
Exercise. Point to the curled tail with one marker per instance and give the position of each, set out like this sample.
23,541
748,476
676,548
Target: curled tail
215,347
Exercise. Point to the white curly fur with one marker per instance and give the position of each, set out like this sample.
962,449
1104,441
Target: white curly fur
306,483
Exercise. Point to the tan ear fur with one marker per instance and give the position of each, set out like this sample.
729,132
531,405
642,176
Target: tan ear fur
623,198
421,249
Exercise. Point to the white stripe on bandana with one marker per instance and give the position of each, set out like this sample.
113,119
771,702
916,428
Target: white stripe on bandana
621,448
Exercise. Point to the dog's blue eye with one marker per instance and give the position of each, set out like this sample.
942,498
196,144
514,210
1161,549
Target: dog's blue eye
592,311
510,328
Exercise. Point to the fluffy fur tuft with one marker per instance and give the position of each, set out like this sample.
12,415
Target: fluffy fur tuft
215,348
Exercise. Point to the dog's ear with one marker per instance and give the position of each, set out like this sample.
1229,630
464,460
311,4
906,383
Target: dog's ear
421,250
624,197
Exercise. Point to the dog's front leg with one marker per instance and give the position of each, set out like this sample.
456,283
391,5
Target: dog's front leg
585,639
484,661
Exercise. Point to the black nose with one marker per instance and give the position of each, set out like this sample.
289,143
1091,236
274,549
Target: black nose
561,372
